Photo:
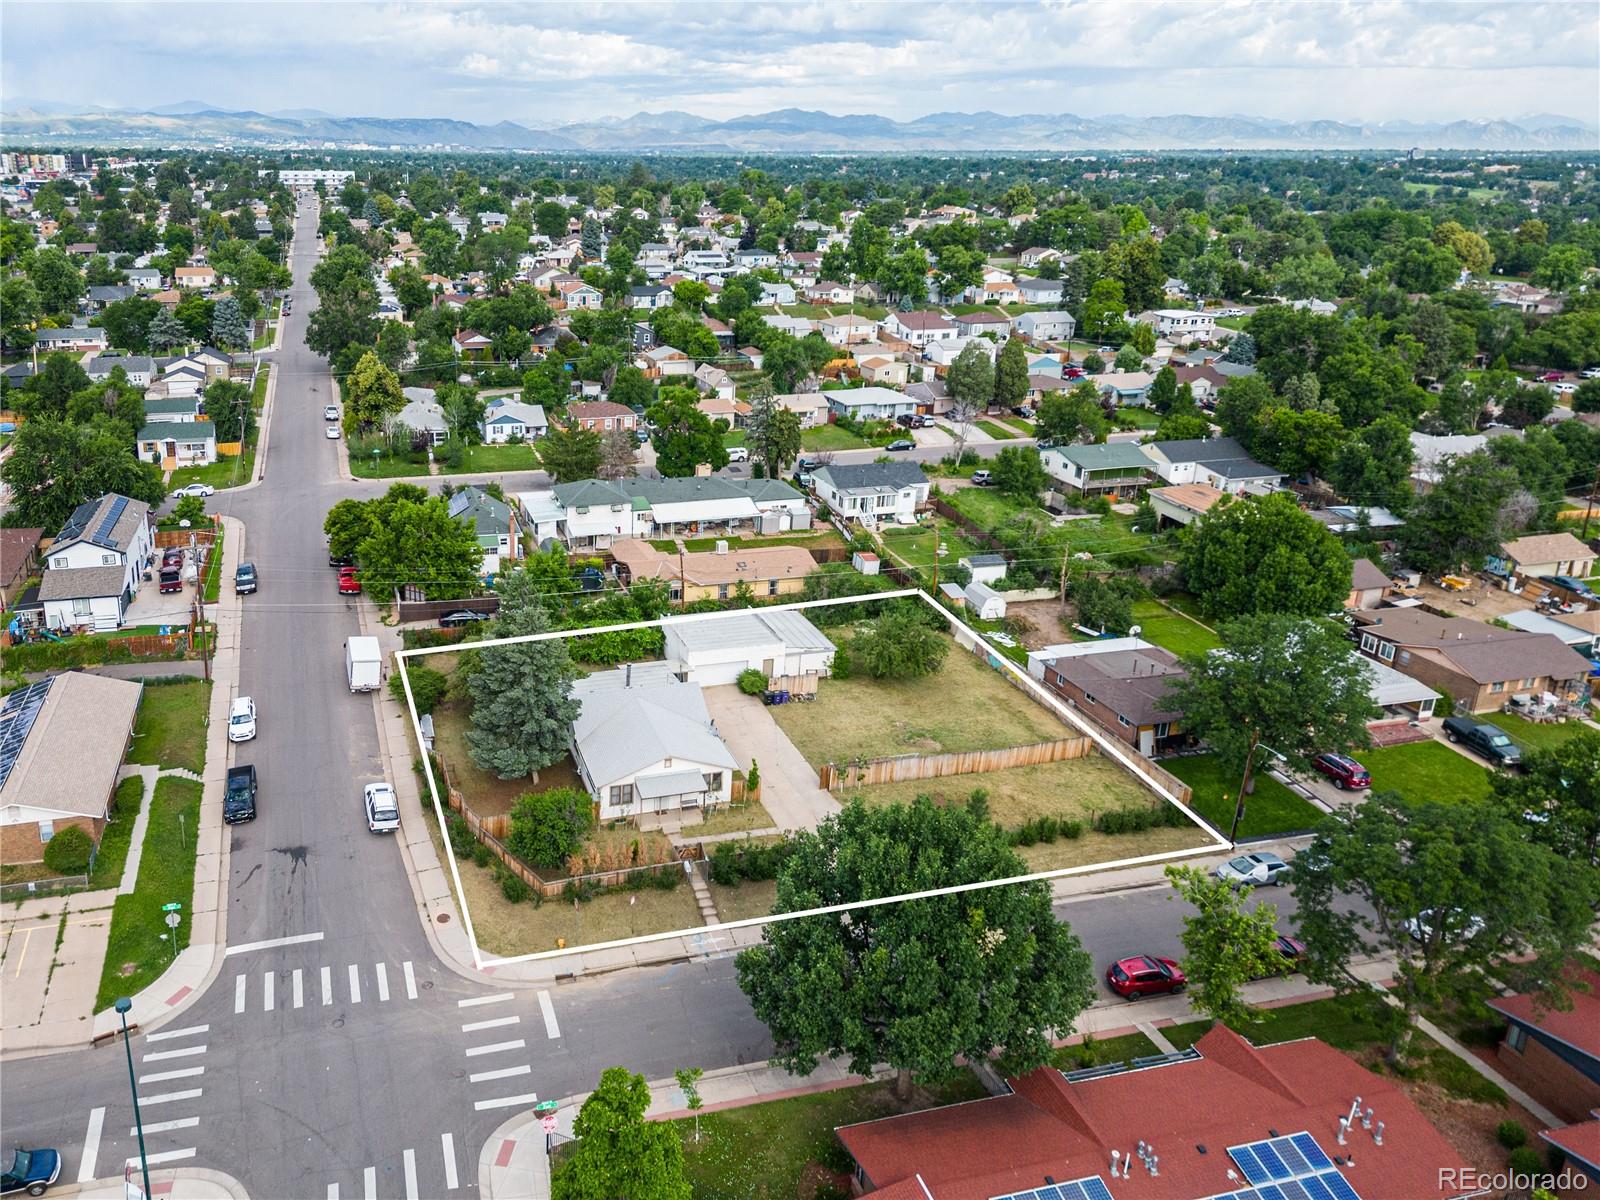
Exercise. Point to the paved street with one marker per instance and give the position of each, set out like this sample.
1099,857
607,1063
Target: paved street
333,1054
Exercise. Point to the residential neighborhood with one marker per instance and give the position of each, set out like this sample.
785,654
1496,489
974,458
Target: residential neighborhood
940,655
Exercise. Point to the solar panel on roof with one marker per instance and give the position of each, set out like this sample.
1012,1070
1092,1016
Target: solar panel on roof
1316,1189
1249,1164
1315,1158
1292,1190
1094,1188
17,715
109,522
1269,1159
1269,1191
1291,1156
1338,1186
1071,1191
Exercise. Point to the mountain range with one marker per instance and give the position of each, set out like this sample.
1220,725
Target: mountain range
790,130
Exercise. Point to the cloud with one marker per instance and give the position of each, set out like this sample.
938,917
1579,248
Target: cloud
547,64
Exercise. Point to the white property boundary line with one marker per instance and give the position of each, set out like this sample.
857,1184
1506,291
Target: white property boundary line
1107,745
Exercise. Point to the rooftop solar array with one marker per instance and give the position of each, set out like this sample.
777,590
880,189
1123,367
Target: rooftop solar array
1324,1185
78,521
17,715
1091,1188
108,523
1280,1158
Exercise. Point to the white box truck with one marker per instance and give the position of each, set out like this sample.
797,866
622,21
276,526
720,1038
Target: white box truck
363,664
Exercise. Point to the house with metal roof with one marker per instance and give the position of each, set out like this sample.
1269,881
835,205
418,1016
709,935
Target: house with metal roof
644,743
1114,467
94,565
714,649
61,746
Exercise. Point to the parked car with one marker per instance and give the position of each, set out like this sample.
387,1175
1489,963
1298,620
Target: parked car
1563,389
1344,771
1292,949
901,444
1574,585
383,811
1551,377
1023,410
1456,924
195,489
462,617
349,585
1484,739
341,560
331,433
1591,372
242,719
738,454
239,801
980,478
245,579
330,413
1259,869
31,1171
641,436
1145,975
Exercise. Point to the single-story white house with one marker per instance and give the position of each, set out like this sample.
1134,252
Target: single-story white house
174,444
870,403
505,418
714,650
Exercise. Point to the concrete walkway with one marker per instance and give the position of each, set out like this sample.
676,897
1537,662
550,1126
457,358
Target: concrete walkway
187,1183
130,868
789,789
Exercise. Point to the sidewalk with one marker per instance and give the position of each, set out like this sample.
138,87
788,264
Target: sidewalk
184,1183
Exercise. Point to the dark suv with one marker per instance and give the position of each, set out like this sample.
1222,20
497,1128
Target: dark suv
1345,771
245,579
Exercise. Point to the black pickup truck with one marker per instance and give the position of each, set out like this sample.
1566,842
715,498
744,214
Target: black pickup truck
239,804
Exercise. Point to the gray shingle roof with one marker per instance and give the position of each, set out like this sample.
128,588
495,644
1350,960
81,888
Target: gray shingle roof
591,493
752,628
80,583
847,477
88,522
623,730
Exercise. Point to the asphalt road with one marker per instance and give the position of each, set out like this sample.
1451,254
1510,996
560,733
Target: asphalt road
350,1062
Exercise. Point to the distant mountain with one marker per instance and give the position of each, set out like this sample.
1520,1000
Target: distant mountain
788,130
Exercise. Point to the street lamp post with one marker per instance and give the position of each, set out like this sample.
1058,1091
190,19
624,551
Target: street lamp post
122,1006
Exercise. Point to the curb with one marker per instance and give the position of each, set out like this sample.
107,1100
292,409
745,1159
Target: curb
183,1183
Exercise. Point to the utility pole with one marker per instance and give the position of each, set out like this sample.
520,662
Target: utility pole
1065,559
1594,494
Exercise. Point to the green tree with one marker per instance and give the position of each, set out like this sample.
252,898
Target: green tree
419,544
569,453
1374,466
1458,521
1240,403
1142,337
427,686
898,645
684,436
127,323
56,465
20,307
1242,350
689,1077
1296,687
631,388
1300,443
1128,359
1447,892
1557,795
618,1154
1011,374
228,408
1263,554
1071,416
773,435
1184,420
372,395
410,289
346,526
1017,472
189,508
165,331
522,708
971,377
1562,267
228,328
920,983
49,393
547,828
1163,390
1225,945
1104,602
589,239
56,279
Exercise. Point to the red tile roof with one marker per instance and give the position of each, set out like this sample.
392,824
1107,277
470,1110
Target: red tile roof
1579,1027
1234,1093
1581,1141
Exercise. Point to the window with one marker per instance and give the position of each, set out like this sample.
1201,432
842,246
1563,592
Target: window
81,607
1405,657
1496,688
1516,1035
1122,720
666,762
59,562
108,560
713,781
722,591
622,795
1163,729
1369,644
47,830
772,587
1386,651
1530,683
1087,696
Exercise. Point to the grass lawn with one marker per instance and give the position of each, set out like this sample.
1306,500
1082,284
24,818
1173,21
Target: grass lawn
118,835
1139,418
385,466
171,729
486,792
915,545
996,430
1077,788
812,312
831,437
1272,809
506,457
827,536
1537,735
734,437
211,585
1426,771
1096,1052
224,473
136,952
984,506
1094,848
736,818
749,898
1110,534
871,718
1172,631
761,1151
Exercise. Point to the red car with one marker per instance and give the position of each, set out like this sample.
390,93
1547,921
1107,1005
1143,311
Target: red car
349,585
1551,377
1144,975
1345,771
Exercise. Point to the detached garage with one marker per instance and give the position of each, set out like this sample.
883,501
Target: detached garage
784,646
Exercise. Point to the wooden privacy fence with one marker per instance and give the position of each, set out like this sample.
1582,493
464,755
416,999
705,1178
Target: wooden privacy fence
903,767
968,526
200,535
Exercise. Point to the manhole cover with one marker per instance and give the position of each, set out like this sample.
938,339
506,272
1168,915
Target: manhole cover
338,1022
443,918
428,983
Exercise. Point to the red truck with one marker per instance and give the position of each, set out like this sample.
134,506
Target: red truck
171,576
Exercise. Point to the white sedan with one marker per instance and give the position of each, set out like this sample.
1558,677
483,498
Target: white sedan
195,489
242,720
1254,870
330,413
333,433
383,810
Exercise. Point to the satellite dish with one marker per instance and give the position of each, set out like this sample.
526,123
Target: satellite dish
1133,630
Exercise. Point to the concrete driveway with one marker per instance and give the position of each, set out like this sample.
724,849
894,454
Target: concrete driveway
789,789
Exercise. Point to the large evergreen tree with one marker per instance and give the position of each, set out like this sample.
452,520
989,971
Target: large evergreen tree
228,328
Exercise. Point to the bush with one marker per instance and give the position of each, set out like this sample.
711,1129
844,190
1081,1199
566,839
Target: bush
67,853
752,682
191,509
461,840
548,827
1511,1134
843,667
1525,1160
725,865
513,887
482,856
752,781
1137,820
427,687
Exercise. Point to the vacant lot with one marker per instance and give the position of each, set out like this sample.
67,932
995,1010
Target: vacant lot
1071,790
915,545
963,706
171,728
1426,771
1272,809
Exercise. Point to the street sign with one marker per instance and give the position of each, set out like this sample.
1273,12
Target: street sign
171,907
548,1122
173,920
546,1106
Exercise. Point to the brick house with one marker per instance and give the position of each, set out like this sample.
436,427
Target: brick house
66,737
602,415
1554,1055
1123,689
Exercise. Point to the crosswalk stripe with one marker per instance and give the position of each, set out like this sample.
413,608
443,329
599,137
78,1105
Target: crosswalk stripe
333,1191
505,1102
448,1142
474,1026
549,1010
183,1073
411,984
269,982
410,1160
169,1097
182,1052
176,1033
369,1182
503,1073
383,982
91,1147
355,985
474,1001
166,1156
239,984
327,989
299,988
166,1126
495,1048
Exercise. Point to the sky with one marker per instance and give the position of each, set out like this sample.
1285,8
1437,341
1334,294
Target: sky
544,65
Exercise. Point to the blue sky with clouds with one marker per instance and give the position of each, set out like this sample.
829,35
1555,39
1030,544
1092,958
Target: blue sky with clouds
545,64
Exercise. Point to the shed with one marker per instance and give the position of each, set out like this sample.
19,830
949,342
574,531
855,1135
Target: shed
986,603
865,561
986,568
